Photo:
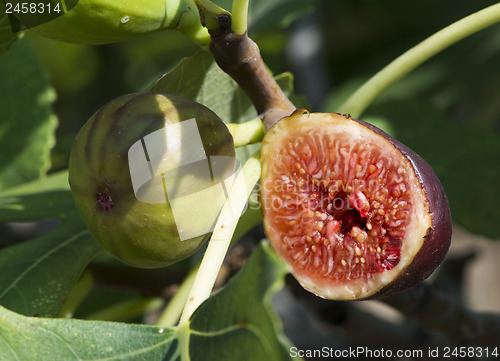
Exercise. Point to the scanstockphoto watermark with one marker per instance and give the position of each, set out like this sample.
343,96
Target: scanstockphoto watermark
361,352
170,165
356,352
288,195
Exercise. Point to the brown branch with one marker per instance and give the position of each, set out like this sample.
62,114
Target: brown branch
360,327
438,313
431,309
240,58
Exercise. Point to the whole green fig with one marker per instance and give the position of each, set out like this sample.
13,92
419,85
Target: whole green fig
146,173
107,21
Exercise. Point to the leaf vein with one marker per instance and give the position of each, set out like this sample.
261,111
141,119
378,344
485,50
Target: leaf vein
63,341
10,348
249,327
41,259
137,352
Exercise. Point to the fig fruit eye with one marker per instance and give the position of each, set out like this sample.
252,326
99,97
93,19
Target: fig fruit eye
355,213
131,213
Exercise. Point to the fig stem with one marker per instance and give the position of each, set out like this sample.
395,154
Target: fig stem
239,57
221,236
171,314
398,68
210,13
190,25
79,292
246,133
239,17
123,311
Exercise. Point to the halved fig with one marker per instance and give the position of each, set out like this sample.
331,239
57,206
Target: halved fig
355,213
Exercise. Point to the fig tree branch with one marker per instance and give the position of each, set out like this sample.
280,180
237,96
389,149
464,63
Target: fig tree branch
437,313
431,309
239,57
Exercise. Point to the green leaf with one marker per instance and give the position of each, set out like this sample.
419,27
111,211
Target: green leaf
55,182
66,340
199,78
7,36
27,122
464,156
37,276
237,323
46,198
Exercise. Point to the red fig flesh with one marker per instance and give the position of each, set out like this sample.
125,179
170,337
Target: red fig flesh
355,213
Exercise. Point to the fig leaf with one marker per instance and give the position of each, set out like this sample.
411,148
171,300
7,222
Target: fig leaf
241,326
52,262
27,121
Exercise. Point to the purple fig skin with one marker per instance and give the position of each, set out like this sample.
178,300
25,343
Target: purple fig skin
286,155
438,239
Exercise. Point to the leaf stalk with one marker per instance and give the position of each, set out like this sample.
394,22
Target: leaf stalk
398,68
